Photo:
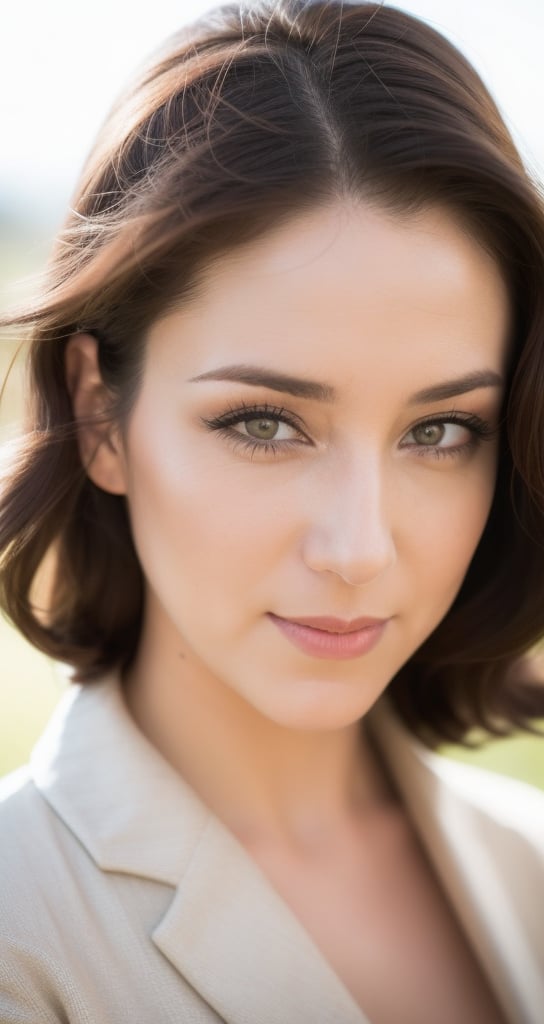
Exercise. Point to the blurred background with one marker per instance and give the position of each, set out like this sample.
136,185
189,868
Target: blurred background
61,65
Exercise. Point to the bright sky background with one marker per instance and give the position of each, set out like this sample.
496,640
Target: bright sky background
62,63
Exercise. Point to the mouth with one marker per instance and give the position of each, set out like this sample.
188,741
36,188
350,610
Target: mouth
328,637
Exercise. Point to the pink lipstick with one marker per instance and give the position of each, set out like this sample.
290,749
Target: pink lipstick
328,637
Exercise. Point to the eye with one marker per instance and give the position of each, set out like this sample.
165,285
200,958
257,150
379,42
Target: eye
447,435
266,428
454,434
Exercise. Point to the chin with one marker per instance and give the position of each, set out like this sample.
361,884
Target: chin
321,705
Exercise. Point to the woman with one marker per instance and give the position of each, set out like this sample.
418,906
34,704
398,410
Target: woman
285,468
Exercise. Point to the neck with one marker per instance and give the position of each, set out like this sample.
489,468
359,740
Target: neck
267,783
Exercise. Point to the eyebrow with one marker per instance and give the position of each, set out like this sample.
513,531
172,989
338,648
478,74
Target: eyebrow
258,376
459,386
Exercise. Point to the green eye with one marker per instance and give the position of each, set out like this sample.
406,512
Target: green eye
263,429
429,433
272,430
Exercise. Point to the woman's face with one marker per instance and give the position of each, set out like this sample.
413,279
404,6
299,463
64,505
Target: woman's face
315,436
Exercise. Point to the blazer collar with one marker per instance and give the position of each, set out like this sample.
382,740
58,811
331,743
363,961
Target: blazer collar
233,938
484,835
123,801
226,924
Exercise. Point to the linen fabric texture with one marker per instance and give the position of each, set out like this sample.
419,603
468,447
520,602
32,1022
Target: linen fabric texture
123,898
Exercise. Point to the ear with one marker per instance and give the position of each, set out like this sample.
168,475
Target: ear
99,439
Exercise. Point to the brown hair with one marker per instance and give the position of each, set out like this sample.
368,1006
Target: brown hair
246,118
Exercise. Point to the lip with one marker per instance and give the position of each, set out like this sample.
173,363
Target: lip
329,637
332,625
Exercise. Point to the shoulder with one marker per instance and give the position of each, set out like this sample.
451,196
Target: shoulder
475,804
36,851
485,824
29,885
453,789
64,921
28,832
508,802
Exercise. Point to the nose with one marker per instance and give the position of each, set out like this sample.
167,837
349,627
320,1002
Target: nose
348,530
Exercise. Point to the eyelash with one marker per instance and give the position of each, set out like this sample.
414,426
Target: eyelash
245,413
479,429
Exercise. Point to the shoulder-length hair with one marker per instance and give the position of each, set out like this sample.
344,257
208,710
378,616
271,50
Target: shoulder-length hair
246,118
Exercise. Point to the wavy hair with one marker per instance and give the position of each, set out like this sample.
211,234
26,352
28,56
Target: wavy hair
244,119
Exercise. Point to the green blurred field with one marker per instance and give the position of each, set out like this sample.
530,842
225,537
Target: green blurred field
29,685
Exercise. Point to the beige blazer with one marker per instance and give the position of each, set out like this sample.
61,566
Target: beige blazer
124,901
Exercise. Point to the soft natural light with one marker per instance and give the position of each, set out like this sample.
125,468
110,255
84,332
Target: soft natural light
62,63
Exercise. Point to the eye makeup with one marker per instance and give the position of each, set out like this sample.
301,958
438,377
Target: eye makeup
226,422
478,430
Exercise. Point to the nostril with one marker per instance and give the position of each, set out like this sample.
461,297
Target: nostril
355,562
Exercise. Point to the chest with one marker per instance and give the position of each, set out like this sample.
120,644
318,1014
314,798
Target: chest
374,909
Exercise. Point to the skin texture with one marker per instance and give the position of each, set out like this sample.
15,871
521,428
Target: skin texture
357,511
352,515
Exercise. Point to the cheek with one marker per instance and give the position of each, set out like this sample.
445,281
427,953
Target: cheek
448,541
200,522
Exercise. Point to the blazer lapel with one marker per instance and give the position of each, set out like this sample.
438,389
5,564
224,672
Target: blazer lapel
484,835
226,930
238,944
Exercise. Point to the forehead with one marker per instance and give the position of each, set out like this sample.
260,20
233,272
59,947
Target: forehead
348,287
